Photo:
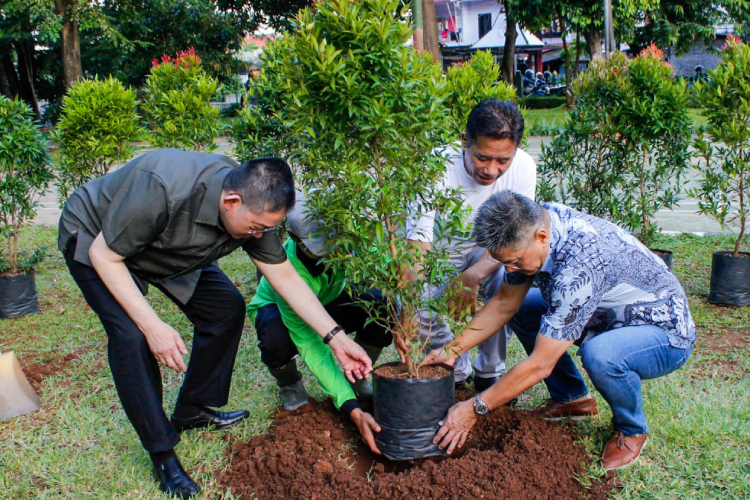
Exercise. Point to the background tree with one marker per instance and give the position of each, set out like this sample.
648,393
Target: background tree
679,24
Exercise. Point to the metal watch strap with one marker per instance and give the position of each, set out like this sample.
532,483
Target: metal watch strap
329,336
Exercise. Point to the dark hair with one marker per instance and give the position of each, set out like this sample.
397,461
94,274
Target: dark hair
506,220
265,184
495,119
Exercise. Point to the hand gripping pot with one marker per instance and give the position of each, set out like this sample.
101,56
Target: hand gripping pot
408,411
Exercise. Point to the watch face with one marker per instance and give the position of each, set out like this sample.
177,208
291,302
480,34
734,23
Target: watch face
480,407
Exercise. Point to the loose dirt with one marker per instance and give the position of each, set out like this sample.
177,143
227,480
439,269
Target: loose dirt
398,370
314,453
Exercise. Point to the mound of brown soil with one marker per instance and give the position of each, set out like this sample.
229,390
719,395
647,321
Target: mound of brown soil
313,453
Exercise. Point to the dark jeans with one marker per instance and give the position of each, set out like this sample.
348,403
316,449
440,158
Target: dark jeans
276,345
217,311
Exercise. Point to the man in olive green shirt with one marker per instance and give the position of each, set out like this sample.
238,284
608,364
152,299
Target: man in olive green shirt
164,219
282,334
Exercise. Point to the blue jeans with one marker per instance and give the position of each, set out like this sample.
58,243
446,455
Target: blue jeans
616,361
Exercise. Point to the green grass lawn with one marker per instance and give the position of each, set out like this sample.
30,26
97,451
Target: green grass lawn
80,445
541,119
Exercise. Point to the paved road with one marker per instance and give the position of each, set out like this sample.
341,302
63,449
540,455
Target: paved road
682,219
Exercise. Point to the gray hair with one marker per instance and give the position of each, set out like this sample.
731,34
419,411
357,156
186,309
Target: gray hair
506,220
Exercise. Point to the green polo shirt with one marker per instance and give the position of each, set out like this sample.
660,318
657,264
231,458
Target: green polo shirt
318,357
161,212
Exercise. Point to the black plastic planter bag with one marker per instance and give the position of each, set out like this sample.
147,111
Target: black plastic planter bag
730,279
408,411
18,296
664,255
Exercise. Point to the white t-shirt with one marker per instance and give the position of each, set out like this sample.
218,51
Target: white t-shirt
520,177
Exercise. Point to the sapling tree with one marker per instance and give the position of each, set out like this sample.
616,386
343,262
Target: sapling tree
24,174
258,131
653,121
96,129
368,118
582,166
177,105
624,149
724,166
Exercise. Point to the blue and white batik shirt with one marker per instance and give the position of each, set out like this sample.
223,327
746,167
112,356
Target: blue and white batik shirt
597,277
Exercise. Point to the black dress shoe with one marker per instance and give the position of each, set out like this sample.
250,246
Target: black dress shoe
173,479
207,417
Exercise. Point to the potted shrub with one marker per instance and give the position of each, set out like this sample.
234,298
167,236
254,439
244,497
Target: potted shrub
24,174
367,118
656,128
97,125
177,103
582,165
624,150
724,168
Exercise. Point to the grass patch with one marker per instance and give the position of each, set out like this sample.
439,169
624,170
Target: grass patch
542,122
80,445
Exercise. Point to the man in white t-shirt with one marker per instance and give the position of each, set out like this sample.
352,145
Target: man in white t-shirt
488,162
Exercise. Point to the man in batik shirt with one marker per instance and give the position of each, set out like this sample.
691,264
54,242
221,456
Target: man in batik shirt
598,288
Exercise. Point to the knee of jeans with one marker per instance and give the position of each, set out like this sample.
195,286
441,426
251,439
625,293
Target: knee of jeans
597,363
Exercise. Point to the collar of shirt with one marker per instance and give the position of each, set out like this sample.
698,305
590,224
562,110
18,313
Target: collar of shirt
209,209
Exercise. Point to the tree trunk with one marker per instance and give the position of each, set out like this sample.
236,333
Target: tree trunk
70,42
10,72
4,83
509,50
430,29
25,51
594,40
570,99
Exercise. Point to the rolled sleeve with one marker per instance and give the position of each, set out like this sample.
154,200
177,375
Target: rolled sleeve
267,249
137,214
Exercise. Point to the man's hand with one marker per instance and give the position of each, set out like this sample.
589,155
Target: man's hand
367,428
352,357
439,356
465,290
455,427
167,346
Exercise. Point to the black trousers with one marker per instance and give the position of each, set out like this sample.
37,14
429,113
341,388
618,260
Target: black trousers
217,311
277,347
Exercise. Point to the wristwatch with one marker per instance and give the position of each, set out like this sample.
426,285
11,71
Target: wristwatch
480,407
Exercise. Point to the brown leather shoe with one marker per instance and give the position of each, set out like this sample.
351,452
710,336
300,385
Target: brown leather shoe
623,450
576,410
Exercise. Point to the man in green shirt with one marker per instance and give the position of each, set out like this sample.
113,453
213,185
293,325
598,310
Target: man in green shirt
282,334
164,219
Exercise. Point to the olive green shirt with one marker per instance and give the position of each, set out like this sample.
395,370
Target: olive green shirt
161,212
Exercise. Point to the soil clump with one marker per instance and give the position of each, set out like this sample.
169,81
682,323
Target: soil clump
315,453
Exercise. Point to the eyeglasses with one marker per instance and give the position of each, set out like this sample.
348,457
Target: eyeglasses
266,230
519,259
